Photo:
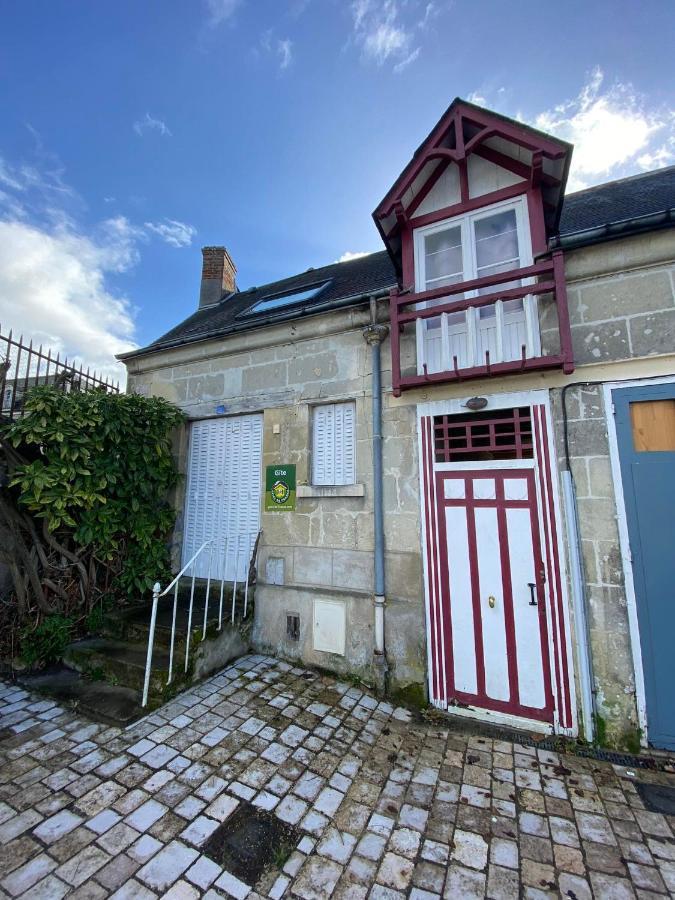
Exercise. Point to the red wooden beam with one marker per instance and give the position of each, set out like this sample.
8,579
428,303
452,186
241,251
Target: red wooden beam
566,347
429,312
533,364
395,339
541,268
457,209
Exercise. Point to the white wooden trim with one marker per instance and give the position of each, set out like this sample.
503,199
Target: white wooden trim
624,545
497,718
495,401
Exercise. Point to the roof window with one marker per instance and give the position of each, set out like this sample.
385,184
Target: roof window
268,304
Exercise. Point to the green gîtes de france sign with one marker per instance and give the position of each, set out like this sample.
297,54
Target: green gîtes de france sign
280,488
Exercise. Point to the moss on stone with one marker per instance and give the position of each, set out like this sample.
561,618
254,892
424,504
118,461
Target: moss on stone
412,695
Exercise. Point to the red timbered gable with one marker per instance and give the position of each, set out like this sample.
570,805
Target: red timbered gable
467,226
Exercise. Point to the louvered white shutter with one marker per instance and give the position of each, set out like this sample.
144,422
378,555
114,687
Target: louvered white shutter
334,444
223,494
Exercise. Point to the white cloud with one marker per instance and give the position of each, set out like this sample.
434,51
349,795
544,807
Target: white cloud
173,232
348,255
221,10
53,289
151,123
281,47
382,34
477,98
615,131
55,273
285,51
400,66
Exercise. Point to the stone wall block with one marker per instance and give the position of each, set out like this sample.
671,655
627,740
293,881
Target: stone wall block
612,298
597,519
653,333
588,438
322,367
403,576
206,387
600,477
312,565
353,569
261,378
601,341
610,565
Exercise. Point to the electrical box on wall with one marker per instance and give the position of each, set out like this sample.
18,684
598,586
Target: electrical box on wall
329,626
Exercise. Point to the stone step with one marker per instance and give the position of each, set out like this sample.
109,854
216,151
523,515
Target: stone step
133,624
98,700
120,663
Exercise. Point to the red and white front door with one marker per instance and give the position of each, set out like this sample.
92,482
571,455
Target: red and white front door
497,623
492,581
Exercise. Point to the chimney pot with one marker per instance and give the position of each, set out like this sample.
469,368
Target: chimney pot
218,275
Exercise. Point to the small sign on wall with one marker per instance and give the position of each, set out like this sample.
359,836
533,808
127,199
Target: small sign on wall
280,488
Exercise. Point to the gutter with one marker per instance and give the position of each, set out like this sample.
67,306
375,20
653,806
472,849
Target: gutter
636,225
260,321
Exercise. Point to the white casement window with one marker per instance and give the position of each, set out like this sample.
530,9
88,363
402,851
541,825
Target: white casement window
334,444
486,242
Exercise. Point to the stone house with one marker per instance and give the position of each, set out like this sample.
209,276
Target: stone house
481,418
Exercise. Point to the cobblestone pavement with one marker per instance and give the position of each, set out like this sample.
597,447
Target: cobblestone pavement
386,807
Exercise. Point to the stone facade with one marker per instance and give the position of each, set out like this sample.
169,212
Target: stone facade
326,545
622,310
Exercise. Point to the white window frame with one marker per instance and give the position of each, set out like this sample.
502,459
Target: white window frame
469,264
349,474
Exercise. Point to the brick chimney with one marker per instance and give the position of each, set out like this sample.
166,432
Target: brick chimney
218,274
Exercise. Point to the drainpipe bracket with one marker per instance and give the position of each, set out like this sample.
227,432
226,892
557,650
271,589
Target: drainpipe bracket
375,334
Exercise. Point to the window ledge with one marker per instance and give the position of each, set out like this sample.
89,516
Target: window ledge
330,490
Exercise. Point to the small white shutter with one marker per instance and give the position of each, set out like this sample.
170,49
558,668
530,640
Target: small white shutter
334,444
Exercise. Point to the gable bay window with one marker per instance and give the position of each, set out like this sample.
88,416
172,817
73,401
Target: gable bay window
470,247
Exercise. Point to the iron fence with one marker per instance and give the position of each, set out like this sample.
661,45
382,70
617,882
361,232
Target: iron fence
23,366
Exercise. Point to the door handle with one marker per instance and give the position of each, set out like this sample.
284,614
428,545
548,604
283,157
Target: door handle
532,586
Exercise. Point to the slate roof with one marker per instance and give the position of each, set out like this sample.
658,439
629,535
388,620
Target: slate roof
617,201
606,204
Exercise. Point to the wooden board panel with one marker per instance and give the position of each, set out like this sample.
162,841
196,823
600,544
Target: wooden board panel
653,425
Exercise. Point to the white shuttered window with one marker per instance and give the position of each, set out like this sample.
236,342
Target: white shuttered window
334,444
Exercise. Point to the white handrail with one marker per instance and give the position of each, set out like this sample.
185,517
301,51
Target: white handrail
157,593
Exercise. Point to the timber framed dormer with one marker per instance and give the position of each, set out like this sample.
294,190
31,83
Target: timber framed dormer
467,225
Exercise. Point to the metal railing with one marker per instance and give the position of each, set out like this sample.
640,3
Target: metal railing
157,593
23,366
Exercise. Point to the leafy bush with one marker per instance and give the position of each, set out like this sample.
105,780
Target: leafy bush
86,512
46,642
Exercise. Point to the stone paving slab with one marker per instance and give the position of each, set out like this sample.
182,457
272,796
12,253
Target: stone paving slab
387,806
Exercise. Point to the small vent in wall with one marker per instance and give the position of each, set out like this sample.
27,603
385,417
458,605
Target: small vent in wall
293,626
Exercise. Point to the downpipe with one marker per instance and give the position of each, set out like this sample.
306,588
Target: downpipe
374,334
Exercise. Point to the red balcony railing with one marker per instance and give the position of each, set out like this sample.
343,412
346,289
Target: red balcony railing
516,321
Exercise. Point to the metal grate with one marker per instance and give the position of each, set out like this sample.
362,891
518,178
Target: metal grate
293,626
494,434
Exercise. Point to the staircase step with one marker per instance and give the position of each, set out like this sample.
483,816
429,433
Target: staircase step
119,662
100,701
134,623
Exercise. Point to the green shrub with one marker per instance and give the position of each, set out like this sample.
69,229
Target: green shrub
46,642
97,468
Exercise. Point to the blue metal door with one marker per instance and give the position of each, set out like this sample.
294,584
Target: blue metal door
645,421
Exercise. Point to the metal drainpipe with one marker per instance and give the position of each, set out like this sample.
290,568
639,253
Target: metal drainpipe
374,335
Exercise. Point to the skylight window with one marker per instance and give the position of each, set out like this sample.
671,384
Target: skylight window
279,302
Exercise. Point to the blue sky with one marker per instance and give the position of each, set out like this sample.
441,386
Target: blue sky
134,132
